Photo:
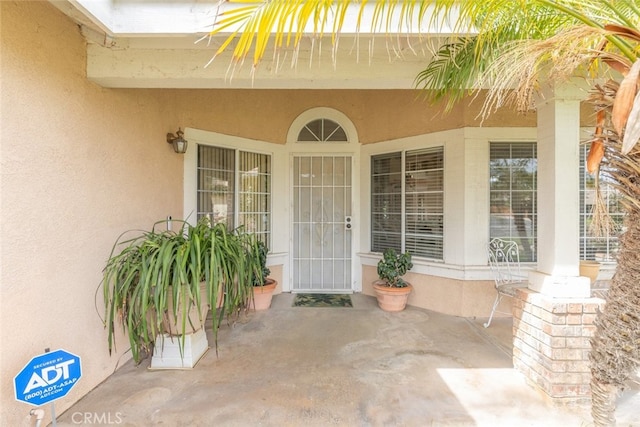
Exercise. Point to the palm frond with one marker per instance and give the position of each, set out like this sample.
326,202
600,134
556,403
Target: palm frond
254,25
449,74
514,76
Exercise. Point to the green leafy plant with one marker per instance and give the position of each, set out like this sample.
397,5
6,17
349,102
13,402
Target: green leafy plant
393,266
258,257
154,278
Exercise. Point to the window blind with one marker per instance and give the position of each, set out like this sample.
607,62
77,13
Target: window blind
424,196
599,245
513,195
407,214
234,182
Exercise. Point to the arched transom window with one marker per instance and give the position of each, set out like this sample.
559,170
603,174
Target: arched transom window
322,130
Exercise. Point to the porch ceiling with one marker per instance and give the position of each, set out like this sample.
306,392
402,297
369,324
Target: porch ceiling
137,44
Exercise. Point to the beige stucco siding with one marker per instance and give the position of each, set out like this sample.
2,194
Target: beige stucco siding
378,115
80,164
468,298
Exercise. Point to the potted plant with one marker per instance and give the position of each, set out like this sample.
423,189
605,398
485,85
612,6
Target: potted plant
392,291
262,285
590,269
160,284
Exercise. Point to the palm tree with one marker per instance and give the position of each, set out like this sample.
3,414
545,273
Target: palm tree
523,43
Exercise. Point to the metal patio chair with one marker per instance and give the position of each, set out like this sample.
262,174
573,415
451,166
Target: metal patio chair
504,260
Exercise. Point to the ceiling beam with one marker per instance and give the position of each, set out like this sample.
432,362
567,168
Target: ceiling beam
173,66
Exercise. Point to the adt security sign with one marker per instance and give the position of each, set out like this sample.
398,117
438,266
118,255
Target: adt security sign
47,377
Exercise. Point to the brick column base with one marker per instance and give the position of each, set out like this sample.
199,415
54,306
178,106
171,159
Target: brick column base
551,343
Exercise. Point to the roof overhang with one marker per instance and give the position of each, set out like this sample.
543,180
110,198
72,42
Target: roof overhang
132,43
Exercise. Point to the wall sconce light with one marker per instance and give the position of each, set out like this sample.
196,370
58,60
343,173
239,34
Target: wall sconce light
178,142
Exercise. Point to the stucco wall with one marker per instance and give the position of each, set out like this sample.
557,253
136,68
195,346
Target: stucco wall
467,298
266,115
80,164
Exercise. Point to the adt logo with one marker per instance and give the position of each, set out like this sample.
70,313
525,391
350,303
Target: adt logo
47,377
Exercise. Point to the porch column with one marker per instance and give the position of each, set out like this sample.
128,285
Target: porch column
553,319
558,235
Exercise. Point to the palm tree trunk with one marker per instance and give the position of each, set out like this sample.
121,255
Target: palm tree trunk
615,346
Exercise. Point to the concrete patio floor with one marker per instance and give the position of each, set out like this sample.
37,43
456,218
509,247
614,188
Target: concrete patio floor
360,366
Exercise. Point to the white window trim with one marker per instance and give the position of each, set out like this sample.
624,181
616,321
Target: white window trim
279,179
190,174
433,140
350,146
510,142
403,209
466,163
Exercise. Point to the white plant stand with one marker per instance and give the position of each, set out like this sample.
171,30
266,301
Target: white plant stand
168,355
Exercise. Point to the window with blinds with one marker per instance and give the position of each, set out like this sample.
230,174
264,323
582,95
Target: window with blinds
513,195
254,194
234,188
598,242
386,202
407,199
424,191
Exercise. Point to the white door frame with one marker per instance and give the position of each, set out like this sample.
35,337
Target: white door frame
350,148
328,248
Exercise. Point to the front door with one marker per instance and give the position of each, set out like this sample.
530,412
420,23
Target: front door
321,249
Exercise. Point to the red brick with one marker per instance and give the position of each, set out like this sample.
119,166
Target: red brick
559,308
578,342
563,331
574,319
592,307
554,318
574,308
548,375
567,354
572,378
537,345
546,351
517,315
559,366
525,349
558,342
517,304
524,327
538,369
582,366
539,380
567,390
532,320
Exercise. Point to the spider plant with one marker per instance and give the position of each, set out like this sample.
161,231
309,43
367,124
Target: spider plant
155,278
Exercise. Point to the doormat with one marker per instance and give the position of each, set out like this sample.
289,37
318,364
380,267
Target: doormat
322,300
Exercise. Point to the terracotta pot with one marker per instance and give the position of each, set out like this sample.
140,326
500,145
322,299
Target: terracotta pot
390,298
590,269
262,295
